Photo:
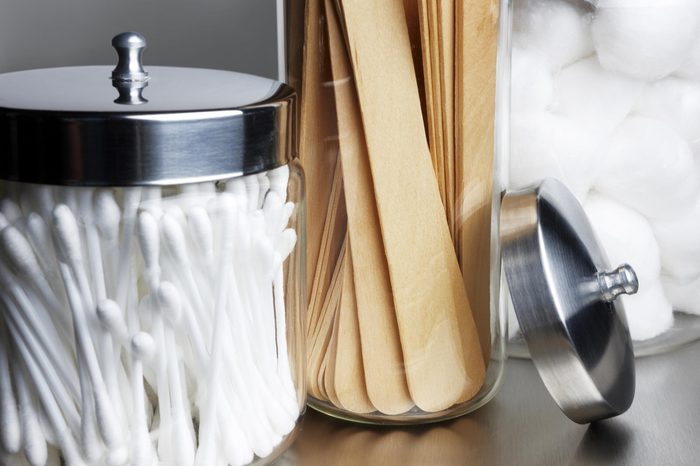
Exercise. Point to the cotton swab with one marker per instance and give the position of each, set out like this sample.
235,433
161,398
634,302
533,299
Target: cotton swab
182,443
202,232
123,277
142,351
21,257
107,219
10,430
33,440
68,242
92,244
279,180
63,434
10,210
21,333
109,316
149,242
104,411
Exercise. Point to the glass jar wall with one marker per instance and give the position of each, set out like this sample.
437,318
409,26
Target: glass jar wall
406,318
618,123
152,325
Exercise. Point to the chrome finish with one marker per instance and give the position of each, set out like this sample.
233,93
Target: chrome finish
622,280
129,47
63,126
129,77
563,297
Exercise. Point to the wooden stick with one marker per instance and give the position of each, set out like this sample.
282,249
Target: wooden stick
318,146
349,373
477,43
381,347
438,337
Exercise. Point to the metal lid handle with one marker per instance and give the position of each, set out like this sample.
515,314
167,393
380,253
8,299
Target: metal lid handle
622,280
130,77
129,47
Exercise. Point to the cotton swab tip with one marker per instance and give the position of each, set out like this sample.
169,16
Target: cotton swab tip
170,302
67,233
109,314
107,214
118,456
143,347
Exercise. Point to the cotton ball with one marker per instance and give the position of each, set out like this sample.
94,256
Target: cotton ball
679,240
559,29
646,40
677,102
650,168
690,69
532,85
545,145
685,297
626,236
596,98
649,312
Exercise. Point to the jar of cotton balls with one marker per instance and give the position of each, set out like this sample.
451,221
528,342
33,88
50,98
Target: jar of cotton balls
151,268
606,98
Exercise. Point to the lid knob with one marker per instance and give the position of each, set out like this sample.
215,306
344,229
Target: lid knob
129,77
622,280
129,47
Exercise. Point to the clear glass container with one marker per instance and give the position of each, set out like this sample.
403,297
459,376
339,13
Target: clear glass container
618,124
152,266
380,350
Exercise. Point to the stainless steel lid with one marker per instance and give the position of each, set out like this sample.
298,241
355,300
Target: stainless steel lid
107,126
564,291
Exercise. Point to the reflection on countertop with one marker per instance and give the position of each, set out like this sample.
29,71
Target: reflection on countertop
523,426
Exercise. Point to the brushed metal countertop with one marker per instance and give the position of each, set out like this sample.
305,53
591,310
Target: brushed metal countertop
523,426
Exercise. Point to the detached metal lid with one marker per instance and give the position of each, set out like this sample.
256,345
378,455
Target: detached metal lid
107,126
564,291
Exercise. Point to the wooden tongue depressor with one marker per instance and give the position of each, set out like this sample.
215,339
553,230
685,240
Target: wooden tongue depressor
442,355
446,49
379,337
320,337
349,376
477,43
330,359
317,145
332,238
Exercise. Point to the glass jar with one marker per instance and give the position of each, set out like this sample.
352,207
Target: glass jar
618,124
152,266
396,333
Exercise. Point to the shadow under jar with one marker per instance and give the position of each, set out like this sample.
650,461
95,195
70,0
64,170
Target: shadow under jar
151,265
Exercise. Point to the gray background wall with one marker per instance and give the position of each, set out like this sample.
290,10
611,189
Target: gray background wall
237,35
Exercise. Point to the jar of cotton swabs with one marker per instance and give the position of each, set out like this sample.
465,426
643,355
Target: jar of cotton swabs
151,265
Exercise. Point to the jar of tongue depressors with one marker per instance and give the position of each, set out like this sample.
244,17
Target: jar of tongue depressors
425,226
151,265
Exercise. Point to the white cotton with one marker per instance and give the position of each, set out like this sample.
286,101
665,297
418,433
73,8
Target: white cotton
545,145
685,297
650,168
649,312
596,98
559,29
626,236
532,84
679,241
690,69
646,39
677,102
